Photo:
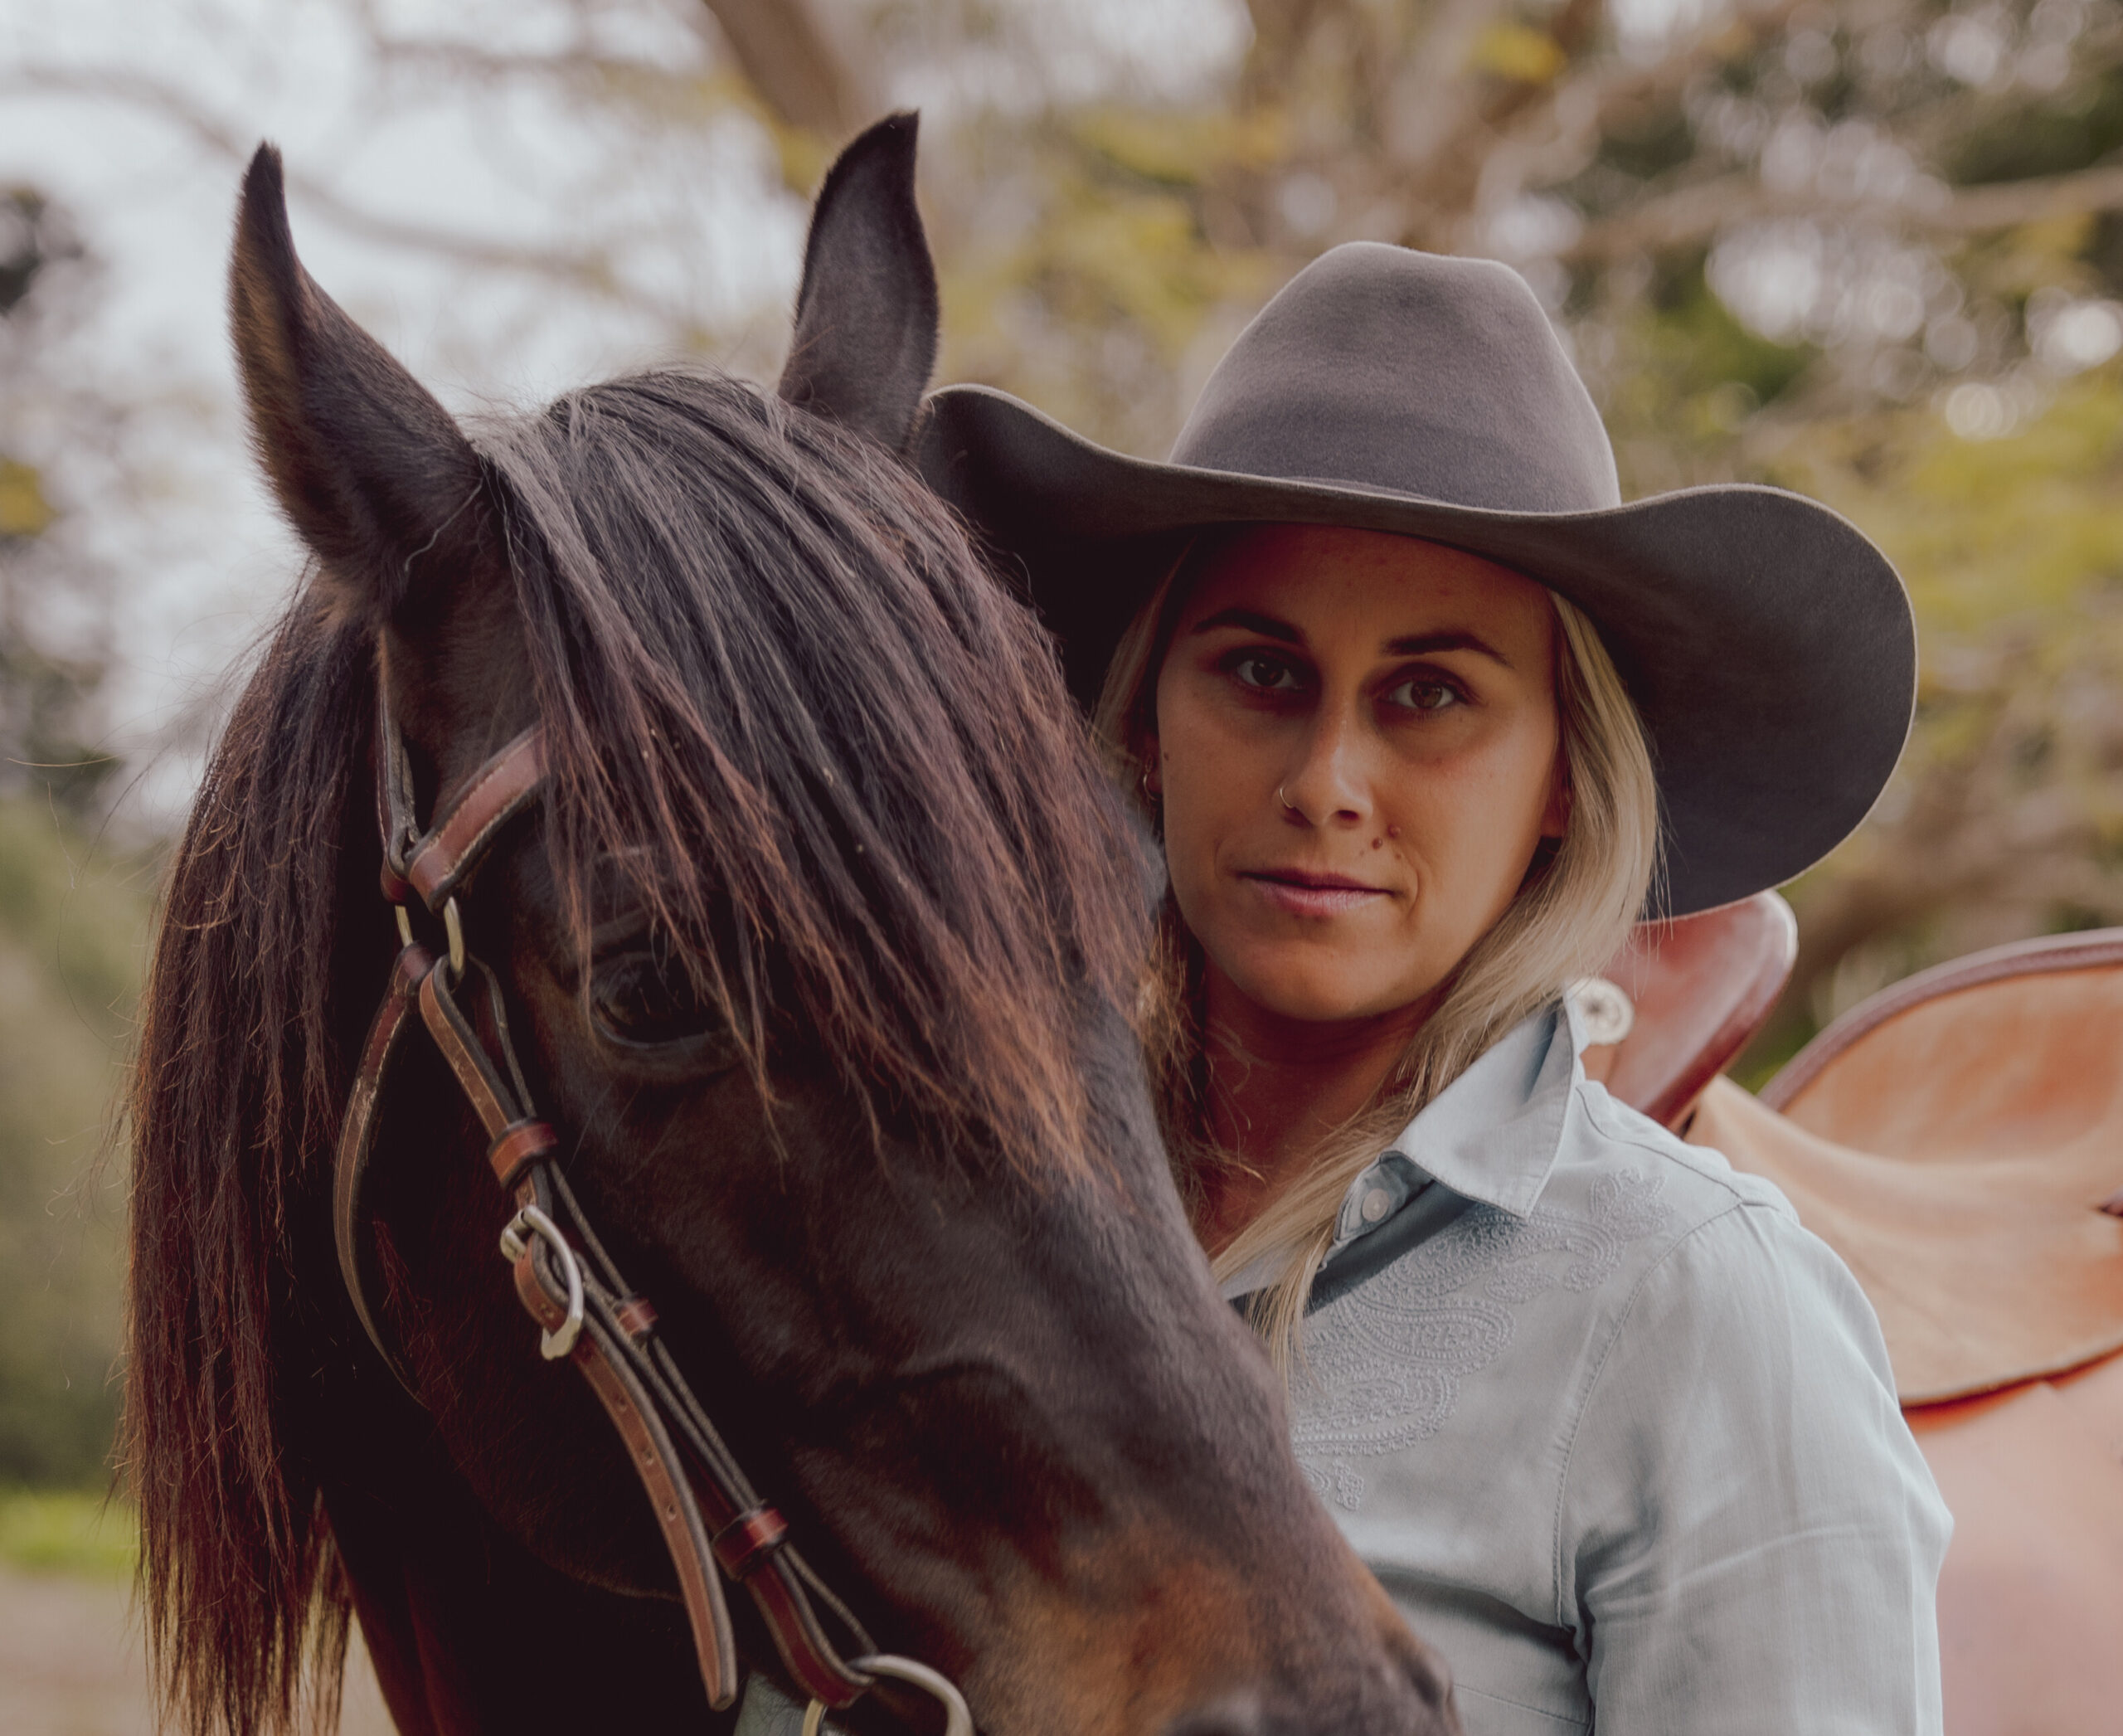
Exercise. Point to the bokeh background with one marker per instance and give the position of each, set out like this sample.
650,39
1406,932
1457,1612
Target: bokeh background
1870,249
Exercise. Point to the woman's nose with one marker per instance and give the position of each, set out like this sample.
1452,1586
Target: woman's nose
1327,785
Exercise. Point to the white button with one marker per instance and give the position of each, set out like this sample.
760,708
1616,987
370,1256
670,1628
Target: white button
1377,1203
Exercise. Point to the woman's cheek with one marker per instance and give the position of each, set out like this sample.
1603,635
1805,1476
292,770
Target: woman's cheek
1189,851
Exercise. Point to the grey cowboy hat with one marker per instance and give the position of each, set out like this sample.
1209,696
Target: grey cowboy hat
1769,647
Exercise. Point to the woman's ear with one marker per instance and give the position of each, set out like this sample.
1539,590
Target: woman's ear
1153,768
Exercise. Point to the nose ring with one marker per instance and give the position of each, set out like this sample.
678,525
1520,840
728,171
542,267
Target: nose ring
1285,799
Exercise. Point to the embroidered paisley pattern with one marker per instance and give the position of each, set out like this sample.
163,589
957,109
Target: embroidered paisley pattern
1385,1361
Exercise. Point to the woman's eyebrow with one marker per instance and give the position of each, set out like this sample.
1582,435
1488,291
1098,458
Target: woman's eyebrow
1421,645
1266,625
1417,644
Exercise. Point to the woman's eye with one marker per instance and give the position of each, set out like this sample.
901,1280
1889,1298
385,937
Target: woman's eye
646,998
1424,693
1264,674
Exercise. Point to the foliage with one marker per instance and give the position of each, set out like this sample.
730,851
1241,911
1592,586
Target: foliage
1831,243
70,922
66,1531
1870,249
2006,816
52,594
71,929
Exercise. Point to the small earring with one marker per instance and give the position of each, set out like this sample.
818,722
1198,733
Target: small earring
1149,795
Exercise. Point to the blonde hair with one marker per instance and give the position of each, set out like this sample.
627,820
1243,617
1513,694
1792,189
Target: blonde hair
1570,917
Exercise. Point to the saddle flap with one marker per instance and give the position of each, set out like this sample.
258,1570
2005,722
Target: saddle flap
1982,1277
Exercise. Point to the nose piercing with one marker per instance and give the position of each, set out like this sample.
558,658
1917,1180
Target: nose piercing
1285,799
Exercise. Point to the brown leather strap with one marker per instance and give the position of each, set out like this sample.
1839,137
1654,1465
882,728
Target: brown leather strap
746,1540
670,1492
750,1546
490,1095
500,791
631,1376
519,1145
636,1316
805,1650
656,1460
357,1133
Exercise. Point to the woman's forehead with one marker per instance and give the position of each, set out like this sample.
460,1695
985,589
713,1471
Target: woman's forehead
1329,581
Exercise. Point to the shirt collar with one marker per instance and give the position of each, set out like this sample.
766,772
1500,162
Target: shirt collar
1493,1135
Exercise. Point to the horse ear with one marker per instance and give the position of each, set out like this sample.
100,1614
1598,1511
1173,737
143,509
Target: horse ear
375,474
865,316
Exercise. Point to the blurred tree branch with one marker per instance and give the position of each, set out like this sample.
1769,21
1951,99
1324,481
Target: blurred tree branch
1690,216
1871,249
584,269
789,58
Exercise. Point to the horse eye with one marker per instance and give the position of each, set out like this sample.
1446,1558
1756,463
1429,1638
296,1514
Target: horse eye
645,999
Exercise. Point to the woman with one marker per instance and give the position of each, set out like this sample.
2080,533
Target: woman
1425,718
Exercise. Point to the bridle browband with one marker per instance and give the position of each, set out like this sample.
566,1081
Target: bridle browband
713,1521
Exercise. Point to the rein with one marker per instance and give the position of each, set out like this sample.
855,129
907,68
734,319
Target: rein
714,1522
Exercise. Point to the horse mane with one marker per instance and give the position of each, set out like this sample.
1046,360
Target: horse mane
240,1080
838,765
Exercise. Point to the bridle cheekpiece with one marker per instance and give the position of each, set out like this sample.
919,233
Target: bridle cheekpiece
714,1523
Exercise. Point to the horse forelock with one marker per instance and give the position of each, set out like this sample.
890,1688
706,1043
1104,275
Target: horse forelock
772,671
775,682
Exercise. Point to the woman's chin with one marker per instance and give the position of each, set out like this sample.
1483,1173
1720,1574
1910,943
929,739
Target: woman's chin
1322,991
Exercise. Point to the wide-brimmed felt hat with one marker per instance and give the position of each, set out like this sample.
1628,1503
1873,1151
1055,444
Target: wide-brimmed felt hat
1768,646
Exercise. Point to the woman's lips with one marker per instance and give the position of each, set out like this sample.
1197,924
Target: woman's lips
1302,893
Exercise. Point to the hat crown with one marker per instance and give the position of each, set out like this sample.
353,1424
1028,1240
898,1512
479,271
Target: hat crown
1381,368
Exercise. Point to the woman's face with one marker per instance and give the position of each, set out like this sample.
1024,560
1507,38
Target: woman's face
1357,754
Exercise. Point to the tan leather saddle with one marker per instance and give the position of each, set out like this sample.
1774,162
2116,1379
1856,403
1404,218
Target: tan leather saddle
1958,1140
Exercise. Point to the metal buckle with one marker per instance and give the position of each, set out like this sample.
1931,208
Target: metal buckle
958,1721
557,1342
453,925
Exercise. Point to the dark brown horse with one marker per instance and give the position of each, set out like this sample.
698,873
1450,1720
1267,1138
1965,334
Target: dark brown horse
819,949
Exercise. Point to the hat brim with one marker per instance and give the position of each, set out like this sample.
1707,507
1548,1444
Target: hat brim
1768,645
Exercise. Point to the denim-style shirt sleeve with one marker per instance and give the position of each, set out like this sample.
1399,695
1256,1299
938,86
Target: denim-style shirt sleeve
1748,1540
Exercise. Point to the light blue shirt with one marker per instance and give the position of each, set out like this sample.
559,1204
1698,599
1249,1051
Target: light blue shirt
1618,1436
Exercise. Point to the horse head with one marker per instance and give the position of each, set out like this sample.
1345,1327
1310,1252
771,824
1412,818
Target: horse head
817,947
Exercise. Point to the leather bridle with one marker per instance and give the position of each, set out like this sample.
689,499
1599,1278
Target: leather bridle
714,1523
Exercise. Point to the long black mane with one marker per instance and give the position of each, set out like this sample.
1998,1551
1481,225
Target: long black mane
832,755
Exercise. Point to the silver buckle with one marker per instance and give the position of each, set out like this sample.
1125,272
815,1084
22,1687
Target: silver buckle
514,1241
957,1720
